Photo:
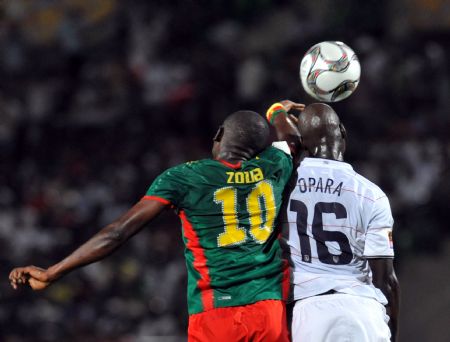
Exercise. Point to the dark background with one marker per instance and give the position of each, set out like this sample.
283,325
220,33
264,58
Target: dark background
99,97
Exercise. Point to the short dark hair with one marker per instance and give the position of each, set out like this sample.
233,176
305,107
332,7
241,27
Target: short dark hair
246,130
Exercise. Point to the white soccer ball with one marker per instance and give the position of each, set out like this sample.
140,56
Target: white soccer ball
330,71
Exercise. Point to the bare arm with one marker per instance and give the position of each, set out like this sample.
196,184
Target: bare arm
385,279
96,248
285,126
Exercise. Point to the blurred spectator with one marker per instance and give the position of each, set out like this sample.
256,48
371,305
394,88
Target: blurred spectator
98,97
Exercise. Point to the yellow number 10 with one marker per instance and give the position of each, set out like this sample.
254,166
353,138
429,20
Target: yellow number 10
260,227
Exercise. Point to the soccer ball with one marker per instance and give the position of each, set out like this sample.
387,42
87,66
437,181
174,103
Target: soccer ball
330,71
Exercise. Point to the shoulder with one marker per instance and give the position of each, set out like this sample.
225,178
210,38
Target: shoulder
283,147
188,166
182,170
180,176
277,161
278,150
376,192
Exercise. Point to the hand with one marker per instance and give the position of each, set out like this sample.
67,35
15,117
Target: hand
289,105
37,278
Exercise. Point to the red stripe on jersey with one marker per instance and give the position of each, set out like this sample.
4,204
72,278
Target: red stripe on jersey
193,244
232,165
286,282
156,198
367,198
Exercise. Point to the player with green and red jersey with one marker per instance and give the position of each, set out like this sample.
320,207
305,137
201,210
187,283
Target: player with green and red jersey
228,207
228,214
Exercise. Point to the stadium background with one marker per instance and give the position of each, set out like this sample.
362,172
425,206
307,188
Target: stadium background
98,97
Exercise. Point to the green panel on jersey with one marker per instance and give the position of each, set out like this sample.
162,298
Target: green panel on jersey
232,254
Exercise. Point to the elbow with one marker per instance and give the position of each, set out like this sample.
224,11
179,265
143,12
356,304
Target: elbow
391,289
393,281
389,285
114,235
394,285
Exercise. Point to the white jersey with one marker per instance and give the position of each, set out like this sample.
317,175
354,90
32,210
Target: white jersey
337,220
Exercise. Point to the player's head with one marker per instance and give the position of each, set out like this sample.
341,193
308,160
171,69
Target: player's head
243,134
322,131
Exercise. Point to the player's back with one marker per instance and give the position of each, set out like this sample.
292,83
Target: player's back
337,220
228,213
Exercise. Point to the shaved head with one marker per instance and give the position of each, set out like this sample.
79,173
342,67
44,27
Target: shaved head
322,132
243,133
247,129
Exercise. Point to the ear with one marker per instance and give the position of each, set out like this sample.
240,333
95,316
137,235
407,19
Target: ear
343,131
307,150
313,152
219,134
302,143
296,145
344,137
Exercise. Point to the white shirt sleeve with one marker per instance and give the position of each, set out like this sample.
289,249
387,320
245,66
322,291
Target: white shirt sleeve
283,146
378,241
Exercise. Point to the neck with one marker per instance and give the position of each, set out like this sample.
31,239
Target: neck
328,151
233,156
332,155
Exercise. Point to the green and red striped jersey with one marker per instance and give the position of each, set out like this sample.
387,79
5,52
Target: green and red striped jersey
228,214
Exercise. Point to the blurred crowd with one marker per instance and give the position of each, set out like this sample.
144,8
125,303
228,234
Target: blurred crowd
98,97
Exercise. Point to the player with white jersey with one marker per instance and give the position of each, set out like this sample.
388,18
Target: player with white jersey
337,220
340,236
340,240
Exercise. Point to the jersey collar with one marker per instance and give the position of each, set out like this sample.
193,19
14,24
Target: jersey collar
325,163
231,165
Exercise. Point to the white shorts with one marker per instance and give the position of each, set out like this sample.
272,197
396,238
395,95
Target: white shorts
339,317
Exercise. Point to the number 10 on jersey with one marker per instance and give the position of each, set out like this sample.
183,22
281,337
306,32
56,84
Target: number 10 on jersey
261,224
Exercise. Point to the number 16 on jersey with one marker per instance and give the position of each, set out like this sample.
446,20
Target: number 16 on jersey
343,254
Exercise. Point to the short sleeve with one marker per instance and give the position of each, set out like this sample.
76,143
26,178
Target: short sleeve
378,243
169,187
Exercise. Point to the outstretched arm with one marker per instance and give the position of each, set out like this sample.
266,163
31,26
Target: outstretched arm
385,279
98,247
284,124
